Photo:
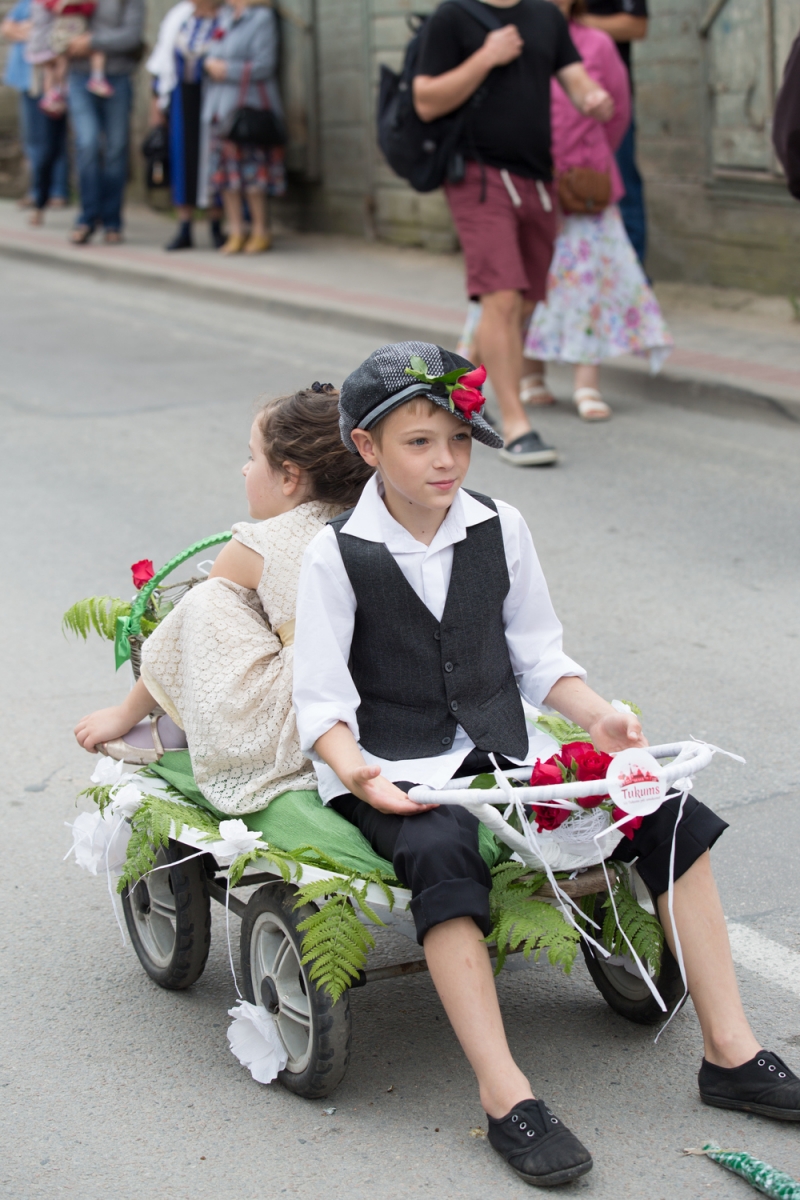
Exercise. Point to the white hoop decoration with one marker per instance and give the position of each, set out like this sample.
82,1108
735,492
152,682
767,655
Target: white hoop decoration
636,782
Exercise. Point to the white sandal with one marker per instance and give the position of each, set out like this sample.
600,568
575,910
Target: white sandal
591,405
534,391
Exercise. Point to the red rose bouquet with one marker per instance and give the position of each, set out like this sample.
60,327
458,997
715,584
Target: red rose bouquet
576,762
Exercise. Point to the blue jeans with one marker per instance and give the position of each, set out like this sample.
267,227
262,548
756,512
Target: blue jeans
631,205
102,131
44,141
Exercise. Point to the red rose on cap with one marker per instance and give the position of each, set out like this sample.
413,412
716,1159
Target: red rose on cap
466,395
142,572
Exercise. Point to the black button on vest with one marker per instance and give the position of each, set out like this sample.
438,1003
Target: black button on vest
405,680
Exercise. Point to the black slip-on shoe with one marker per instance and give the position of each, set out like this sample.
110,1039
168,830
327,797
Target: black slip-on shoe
764,1085
538,1146
529,451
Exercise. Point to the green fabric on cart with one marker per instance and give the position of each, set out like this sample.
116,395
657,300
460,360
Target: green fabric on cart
296,819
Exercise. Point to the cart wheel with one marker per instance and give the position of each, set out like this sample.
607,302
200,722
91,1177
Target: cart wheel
628,994
168,914
314,1030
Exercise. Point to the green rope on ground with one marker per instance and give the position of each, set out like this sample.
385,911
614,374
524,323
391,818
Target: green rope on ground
131,626
760,1175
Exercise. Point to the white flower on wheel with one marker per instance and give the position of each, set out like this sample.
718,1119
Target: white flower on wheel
109,772
127,800
100,841
254,1039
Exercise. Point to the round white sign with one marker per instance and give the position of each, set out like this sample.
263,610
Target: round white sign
636,783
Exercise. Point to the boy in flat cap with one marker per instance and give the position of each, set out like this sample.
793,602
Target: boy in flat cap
423,619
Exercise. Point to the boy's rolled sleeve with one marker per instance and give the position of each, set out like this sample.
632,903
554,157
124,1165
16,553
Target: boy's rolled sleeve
324,692
533,631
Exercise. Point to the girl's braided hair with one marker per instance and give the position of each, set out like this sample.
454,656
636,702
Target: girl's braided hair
303,428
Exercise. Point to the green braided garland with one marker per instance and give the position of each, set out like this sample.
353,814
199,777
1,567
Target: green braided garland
760,1175
131,626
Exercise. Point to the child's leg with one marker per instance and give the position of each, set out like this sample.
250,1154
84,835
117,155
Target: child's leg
699,919
590,404
98,85
461,970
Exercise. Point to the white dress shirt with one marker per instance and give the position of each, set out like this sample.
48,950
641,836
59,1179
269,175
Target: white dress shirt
324,692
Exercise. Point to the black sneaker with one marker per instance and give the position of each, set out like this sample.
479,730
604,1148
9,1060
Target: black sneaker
529,451
182,239
764,1085
537,1146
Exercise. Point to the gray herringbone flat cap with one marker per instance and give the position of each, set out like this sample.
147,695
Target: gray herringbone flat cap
380,385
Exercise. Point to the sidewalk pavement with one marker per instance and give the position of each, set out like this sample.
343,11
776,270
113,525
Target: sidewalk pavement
731,343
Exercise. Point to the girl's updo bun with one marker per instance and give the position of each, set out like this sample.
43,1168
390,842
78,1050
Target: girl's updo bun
303,428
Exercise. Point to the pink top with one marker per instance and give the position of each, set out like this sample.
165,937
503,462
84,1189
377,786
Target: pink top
580,141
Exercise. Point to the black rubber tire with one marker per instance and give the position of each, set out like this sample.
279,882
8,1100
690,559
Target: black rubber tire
628,994
271,941
182,889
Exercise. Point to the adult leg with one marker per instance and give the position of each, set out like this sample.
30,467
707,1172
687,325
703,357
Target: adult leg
232,203
590,404
631,205
259,239
36,149
700,921
59,179
499,336
115,110
26,138
83,111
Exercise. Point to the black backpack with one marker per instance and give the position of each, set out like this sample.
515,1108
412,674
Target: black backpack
424,153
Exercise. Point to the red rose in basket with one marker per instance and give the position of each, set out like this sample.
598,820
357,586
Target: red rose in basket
630,827
142,571
466,395
546,774
585,763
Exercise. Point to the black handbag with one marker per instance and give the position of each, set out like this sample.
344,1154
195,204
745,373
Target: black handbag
155,149
248,126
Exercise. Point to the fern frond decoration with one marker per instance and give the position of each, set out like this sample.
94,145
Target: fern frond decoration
282,861
99,613
643,929
520,920
151,829
99,793
562,730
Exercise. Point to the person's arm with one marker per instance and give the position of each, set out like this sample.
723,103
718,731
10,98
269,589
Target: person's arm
339,749
109,723
437,95
609,730
614,75
15,31
262,51
622,27
588,97
127,36
239,564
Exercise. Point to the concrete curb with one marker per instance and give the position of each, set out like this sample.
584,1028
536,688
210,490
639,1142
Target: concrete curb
354,311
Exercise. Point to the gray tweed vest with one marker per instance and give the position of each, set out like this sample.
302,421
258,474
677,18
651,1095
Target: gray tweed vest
418,678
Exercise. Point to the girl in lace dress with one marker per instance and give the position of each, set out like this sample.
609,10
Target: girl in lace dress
220,664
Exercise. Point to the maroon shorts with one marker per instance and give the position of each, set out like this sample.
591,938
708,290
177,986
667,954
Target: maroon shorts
507,246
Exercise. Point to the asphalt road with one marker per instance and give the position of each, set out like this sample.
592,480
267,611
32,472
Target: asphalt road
669,538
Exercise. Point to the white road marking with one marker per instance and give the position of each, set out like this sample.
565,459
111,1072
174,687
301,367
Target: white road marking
766,958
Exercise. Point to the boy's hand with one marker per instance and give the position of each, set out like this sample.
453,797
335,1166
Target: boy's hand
375,789
616,731
102,726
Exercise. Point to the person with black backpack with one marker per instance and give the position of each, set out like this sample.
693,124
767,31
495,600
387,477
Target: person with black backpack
487,65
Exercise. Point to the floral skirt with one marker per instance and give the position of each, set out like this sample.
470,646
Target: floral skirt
599,304
246,168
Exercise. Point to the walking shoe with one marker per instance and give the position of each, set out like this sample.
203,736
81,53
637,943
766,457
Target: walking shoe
182,238
529,451
537,1146
100,87
764,1085
217,236
53,103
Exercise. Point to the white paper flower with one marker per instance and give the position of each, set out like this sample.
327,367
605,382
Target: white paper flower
236,838
621,706
108,772
127,800
100,840
253,1037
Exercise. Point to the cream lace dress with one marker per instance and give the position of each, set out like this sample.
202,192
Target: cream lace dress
221,666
